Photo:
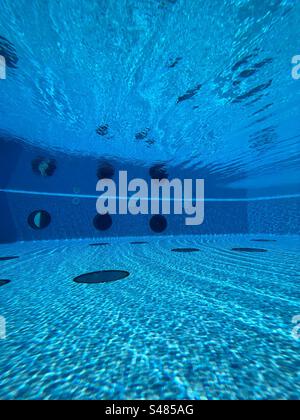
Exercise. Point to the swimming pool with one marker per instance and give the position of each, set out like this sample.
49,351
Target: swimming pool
207,325
122,306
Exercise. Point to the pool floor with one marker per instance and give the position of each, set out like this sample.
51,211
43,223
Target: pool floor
194,319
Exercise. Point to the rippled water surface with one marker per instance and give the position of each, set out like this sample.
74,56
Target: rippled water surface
190,82
202,325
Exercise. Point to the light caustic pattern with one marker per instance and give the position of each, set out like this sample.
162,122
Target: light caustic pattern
210,324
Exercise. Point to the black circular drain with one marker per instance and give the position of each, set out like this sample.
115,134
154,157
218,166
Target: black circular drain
249,250
103,222
101,244
8,258
185,250
263,240
43,166
39,219
4,282
106,171
158,224
102,277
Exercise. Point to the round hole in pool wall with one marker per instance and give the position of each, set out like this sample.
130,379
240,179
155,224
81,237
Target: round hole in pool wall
159,172
39,219
103,222
43,166
158,224
105,171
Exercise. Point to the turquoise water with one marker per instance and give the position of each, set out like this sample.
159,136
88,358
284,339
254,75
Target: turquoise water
197,89
87,63
207,325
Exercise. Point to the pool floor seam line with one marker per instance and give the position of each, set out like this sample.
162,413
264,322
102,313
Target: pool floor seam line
90,196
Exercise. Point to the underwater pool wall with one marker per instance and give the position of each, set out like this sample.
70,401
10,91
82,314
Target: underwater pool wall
69,196
275,216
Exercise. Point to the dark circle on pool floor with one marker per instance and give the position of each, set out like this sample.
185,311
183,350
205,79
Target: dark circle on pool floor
4,282
102,277
249,250
39,219
8,258
185,250
101,244
158,224
263,240
103,222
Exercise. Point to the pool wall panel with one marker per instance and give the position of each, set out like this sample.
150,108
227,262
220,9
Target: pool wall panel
275,216
63,195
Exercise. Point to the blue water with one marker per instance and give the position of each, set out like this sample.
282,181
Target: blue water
190,88
207,325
